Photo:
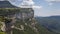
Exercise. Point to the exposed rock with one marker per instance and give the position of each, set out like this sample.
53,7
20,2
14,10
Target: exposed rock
3,26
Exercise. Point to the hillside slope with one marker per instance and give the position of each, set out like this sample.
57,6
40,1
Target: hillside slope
30,28
51,23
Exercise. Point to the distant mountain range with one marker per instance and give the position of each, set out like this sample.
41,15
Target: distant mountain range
52,23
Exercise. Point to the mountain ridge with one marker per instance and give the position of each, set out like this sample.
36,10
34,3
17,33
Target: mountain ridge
52,23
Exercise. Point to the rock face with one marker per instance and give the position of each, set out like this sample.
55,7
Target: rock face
12,14
19,20
25,13
3,26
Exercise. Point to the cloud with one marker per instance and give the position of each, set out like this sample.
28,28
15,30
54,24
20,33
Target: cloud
51,2
16,2
39,7
29,4
24,3
34,7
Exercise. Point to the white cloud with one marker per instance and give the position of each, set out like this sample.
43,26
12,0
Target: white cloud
29,4
39,7
51,2
24,3
21,2
15,2
34,7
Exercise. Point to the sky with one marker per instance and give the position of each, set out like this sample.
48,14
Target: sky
42,8
49,8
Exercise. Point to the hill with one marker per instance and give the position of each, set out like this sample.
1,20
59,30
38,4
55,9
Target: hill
51,23
6,4
21,26
28,27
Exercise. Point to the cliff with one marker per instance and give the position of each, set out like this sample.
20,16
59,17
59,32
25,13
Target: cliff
19,20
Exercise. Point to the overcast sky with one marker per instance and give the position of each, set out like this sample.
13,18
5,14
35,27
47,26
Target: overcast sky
41,7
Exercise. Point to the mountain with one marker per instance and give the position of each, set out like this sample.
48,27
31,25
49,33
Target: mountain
51,23
21,26
28,27
6,4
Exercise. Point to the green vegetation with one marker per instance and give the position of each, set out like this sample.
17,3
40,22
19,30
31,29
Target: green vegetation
1,20
28,29
2,32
